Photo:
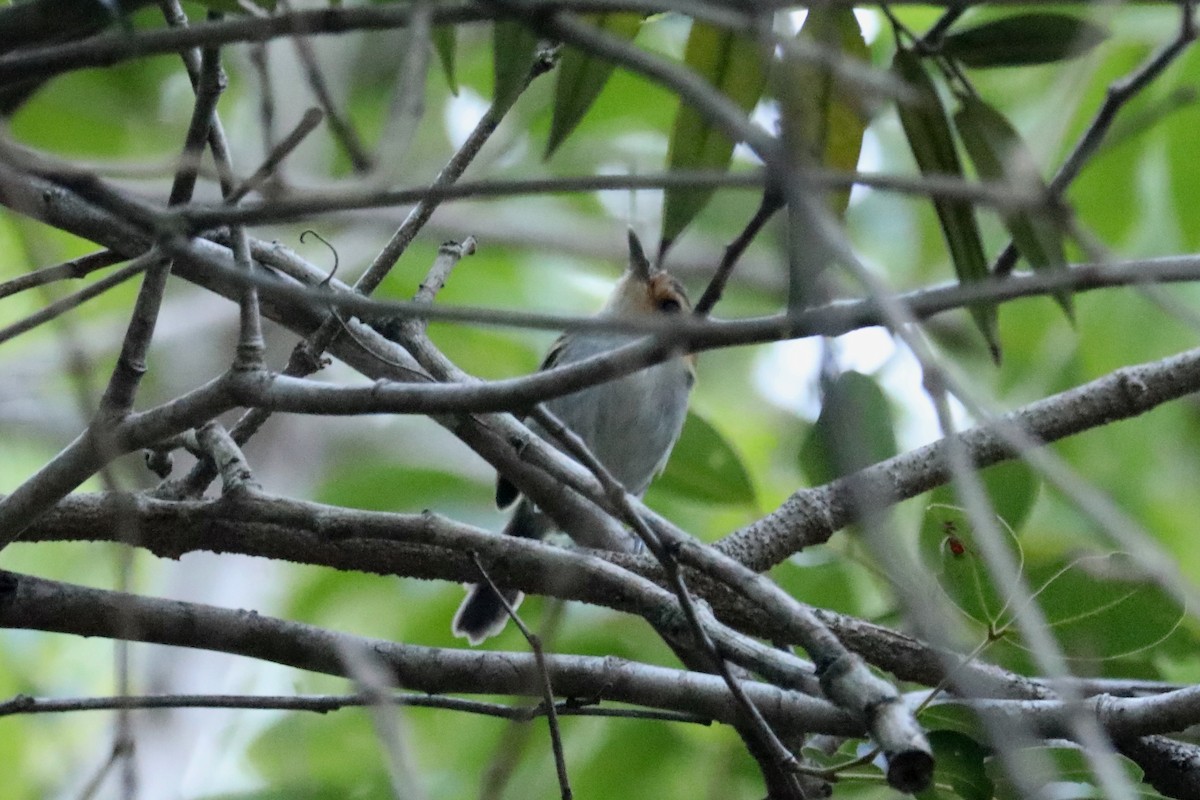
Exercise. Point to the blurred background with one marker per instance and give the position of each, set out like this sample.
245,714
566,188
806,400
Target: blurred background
741,455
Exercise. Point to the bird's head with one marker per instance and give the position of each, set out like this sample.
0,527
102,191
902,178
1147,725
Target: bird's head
645,289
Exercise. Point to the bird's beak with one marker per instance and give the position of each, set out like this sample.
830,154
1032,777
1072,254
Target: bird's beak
639,265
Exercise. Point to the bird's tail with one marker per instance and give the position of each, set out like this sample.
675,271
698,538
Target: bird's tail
482,613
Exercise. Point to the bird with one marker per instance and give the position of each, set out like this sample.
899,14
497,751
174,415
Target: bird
630,424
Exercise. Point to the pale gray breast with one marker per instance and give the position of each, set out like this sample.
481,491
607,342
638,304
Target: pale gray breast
630,424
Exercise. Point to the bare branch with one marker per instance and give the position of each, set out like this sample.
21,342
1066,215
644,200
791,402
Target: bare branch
535,646
38,604
307,124
326,703
65,304
75,268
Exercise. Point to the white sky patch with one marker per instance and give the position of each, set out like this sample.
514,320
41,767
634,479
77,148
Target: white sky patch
643,152
866,350
914,416
463,114
870,159
868,21
788,375
765,116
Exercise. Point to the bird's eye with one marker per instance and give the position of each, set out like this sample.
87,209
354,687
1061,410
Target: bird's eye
668,305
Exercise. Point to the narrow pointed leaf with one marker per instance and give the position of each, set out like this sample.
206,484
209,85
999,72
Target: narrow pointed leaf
999,154
581,76
445,41
854,430
1022,39
735,65
823,115
513,48
927,129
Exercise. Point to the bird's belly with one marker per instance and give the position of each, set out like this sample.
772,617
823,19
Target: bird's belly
630,424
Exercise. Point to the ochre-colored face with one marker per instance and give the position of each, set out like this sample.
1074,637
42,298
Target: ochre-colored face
662,294
667,295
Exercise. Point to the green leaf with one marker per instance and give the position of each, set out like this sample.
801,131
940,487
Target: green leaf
295,753
948,545
376,486
961,764
947,713
1012,487
999,154
823,115
445,41
1071,777
581,76
853,430
1102,607
949,548
705,467
828,580
513,48
928,132
1035,38
734,64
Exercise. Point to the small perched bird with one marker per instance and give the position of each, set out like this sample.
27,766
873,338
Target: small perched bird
630,424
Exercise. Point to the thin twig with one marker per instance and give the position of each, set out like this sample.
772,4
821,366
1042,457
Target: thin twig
535,645
131,362
306,357
340,126
307,124
65,304
192,58
199,217
324,704
449,254
716,286
116,752
75,268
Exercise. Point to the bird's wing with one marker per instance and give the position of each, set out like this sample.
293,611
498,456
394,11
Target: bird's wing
506,492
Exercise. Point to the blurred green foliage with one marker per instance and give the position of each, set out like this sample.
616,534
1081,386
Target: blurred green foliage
743,452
